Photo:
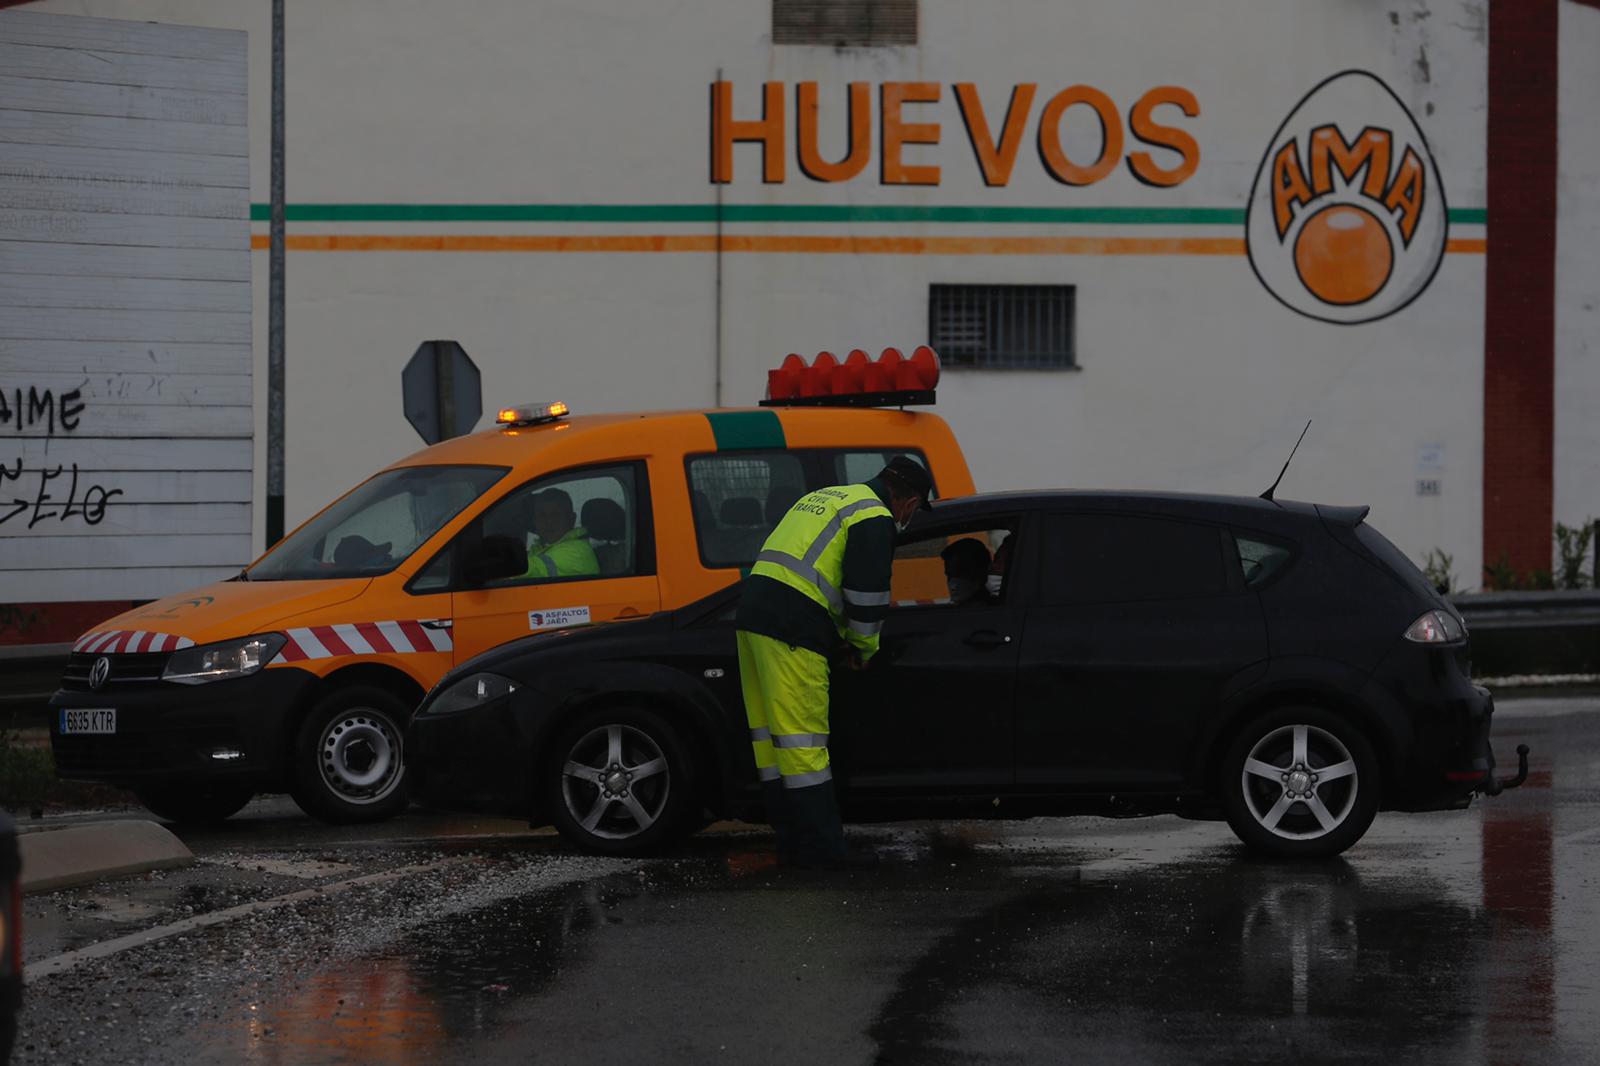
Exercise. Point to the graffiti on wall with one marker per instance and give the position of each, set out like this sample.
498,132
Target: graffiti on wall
46,493
1347,218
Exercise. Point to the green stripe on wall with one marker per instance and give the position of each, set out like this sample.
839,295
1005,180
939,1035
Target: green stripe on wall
1118,216
746,430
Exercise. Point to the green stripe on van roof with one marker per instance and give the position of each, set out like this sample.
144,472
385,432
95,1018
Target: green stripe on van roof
746,430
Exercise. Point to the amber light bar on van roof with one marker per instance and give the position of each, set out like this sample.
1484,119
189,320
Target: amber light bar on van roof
532,414
891,380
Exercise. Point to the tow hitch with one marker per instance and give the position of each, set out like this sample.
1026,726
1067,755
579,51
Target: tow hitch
1493,786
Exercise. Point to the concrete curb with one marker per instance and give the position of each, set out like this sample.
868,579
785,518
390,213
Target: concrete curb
61,858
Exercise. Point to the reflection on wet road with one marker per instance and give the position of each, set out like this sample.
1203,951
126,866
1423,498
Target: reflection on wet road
1462,937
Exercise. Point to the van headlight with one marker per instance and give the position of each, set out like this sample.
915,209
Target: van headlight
222,661
471,691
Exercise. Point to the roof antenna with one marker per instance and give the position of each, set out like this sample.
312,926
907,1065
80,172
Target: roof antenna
1268,494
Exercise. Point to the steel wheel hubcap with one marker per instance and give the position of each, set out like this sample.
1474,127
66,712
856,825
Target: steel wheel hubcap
360,757
615,781
1299,782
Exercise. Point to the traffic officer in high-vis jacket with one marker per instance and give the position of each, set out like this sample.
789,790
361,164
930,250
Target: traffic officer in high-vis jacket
818,591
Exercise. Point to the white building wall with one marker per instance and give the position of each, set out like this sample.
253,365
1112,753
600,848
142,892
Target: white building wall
1577,456
125,361
1193,375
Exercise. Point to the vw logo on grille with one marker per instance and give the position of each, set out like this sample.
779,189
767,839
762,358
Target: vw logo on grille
99,672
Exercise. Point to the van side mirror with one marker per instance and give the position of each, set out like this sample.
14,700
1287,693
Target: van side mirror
494,559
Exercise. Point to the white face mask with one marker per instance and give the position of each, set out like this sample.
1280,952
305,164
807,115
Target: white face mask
962,589
993,583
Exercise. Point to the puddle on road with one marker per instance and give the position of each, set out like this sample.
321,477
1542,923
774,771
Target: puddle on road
953,949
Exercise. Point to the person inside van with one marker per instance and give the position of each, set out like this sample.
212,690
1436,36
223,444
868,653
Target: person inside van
966,565
562,548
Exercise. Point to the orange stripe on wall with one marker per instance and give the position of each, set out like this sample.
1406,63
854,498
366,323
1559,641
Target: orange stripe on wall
810,245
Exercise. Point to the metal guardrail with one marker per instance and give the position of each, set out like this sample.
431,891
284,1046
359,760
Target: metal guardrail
1560,607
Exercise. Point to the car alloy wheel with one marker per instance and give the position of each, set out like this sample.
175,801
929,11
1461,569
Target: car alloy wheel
1300,782
616,782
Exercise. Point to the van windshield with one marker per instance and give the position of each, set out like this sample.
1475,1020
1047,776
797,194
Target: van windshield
376,526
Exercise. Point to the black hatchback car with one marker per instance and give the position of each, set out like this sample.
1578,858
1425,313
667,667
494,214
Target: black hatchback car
1278,664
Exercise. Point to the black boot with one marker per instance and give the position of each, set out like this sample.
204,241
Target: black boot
781,818
819,832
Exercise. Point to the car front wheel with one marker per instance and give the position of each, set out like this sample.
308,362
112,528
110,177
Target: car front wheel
1300,783
349,762
621,782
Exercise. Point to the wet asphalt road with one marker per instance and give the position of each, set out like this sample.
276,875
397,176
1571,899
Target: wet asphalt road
1455,937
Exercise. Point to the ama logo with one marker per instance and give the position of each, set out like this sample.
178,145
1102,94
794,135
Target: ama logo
1347,219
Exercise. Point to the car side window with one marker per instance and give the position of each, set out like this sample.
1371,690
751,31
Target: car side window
737,498
963,568
1115,558
1261,559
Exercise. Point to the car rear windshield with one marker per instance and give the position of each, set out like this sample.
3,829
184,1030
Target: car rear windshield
376,526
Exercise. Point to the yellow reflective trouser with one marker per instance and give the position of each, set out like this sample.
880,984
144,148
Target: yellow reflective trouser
786,705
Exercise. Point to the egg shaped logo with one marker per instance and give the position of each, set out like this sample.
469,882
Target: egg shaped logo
1347,218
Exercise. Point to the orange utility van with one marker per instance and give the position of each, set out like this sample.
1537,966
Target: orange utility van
301,673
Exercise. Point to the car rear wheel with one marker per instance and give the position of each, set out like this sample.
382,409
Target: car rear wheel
621,783
1300,783
349,760
195,804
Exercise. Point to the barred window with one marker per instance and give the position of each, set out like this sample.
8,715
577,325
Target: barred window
844,23
1004,327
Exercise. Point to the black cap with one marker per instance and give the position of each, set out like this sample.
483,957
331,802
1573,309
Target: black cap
911,475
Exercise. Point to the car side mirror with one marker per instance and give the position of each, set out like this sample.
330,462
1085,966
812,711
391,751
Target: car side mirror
495,558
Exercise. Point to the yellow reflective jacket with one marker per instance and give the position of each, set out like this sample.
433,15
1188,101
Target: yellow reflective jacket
571,556
835,548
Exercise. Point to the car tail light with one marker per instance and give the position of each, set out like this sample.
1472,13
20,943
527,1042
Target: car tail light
1437,627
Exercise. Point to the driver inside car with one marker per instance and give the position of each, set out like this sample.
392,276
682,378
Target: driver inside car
966,565
562,548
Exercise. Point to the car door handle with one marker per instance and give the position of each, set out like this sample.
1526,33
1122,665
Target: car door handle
986,638
438,623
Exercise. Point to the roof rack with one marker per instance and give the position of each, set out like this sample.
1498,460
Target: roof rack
891,380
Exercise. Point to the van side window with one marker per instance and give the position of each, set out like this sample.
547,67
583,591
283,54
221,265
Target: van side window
1261,559
738,498
852,468
573,525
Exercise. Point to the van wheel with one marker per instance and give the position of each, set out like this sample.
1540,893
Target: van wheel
195,804
621,782
349,759
1300,782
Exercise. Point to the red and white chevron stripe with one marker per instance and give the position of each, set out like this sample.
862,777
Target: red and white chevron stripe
131,641
363,638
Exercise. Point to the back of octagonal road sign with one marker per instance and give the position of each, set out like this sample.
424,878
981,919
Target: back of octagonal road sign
442,391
